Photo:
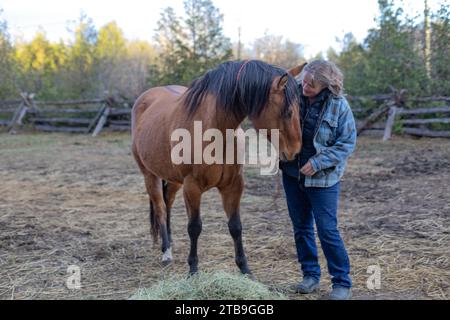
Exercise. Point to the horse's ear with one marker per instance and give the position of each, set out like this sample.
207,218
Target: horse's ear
279,82
295,71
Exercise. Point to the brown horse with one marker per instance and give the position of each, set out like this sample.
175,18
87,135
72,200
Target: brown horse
220,99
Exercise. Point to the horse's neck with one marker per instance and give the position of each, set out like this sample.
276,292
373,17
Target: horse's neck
217,119
225,121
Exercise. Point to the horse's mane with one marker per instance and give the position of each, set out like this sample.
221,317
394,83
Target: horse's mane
241,88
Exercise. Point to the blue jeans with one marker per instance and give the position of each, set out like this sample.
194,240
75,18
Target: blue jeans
309,204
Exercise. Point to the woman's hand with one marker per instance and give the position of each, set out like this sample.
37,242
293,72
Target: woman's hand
307,169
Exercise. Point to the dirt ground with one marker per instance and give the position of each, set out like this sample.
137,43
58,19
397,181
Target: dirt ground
76,200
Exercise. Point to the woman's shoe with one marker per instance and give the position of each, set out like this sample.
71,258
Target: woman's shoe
340,293
307,285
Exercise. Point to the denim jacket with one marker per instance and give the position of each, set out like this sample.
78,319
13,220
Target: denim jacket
334,141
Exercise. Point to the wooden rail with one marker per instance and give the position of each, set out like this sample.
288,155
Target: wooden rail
395,112
93,115
77,116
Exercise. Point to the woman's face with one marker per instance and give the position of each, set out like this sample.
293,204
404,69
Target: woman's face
311,88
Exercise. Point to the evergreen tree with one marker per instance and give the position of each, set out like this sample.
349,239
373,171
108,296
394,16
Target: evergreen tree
192,44
7,89
393,57
172,49
440,51
353,62
206,44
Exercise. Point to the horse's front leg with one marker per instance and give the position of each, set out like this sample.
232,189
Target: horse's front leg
192,195
231,197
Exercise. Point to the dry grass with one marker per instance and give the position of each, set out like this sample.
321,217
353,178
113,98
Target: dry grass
75,200
216,285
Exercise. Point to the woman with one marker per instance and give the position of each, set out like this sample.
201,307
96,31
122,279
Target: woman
311,182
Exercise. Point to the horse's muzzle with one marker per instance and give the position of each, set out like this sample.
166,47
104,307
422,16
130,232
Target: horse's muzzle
284,156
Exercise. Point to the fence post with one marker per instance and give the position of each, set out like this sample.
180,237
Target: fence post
26,104
97,117
104,113
389,123
15,117
102,121
398,97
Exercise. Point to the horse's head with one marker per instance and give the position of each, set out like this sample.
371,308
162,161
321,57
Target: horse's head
282,113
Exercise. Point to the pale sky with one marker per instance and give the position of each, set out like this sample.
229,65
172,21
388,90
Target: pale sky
315,24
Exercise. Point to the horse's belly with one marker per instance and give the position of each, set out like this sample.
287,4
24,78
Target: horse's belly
218,175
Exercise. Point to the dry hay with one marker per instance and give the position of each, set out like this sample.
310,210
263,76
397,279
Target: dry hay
216,285
73,200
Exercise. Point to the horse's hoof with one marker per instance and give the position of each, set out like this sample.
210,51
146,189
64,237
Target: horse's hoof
167,262
250,276
167,257
192,273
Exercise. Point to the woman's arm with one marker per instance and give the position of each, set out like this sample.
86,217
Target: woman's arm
343,147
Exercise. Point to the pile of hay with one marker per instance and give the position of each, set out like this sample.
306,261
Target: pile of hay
217,285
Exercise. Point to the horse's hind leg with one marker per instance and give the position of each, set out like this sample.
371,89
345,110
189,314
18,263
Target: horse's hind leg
231,197
169,193
192,195
158,215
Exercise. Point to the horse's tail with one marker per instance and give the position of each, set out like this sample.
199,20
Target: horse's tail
165,185
155,226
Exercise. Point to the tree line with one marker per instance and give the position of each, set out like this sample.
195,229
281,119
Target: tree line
399,52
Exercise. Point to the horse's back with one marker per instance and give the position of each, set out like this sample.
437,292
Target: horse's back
159,99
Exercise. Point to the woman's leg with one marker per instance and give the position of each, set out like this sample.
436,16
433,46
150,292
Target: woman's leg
324,203
303,223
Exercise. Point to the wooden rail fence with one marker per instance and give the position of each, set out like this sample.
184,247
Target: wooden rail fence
92,116
396,109
74,116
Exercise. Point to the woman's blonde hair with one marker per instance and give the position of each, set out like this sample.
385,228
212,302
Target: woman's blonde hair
327,74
